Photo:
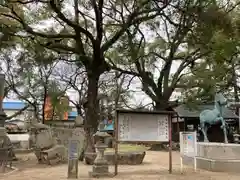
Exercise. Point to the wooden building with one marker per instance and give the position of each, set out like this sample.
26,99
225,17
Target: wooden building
187,118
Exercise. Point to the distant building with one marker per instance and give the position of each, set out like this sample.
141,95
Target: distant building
12,107
72,115
59,111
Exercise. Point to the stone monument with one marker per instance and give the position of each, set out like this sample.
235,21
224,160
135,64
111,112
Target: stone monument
214,116
6,148
76,144
79,134
73,150
100,165
44,144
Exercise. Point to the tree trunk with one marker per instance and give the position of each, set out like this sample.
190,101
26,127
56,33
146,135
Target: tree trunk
235,86
79,111
44,104
161,106
92,114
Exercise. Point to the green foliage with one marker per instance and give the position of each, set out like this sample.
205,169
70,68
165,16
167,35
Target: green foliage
199,36
217,71
29,75
55,93
190,50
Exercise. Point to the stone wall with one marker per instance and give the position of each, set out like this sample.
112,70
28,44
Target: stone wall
62,135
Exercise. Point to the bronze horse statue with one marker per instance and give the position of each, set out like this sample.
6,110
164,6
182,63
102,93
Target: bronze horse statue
214,116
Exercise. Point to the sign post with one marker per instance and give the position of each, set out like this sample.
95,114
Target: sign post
188,147
73,150
150,127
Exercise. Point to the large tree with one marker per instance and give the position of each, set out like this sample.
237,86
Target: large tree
183,35
85,29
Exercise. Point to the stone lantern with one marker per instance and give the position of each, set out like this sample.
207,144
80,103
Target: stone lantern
5,143
100,164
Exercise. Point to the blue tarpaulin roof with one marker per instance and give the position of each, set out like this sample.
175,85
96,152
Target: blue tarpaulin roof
13,105
17,105
108,127
73,114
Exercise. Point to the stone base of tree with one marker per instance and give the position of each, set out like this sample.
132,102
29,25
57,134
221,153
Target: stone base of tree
126,158
164,147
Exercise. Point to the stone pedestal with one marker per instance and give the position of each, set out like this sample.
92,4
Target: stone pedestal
4,149
218,151
217,157
100,165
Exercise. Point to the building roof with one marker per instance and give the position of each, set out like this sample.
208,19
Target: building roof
13,105
184,111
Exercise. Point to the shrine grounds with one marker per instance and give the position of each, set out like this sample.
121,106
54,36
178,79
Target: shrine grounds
155,166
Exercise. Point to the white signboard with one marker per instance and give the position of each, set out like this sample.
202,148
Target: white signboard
188,147
188,144
143,127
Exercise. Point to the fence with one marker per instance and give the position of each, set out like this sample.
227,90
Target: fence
188,148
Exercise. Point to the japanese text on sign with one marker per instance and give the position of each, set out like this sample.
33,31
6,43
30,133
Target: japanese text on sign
188,143
73,150
143,127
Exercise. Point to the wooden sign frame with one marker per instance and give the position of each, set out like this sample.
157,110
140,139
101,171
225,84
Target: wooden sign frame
116,140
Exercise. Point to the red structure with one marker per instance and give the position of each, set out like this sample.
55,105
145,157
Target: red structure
50,111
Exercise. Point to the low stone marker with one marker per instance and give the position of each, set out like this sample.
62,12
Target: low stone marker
73,158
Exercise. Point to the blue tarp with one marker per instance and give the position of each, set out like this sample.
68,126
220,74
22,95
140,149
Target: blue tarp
108,127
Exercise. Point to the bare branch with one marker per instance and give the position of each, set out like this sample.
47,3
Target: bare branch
75,26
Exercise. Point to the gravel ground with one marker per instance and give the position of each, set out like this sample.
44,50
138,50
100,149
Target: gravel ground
155,167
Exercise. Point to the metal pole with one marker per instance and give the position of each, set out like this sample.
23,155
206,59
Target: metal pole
116,143
170,142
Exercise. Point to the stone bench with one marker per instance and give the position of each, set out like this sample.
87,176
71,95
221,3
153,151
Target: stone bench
53,155
124,158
